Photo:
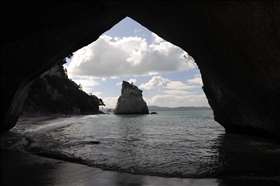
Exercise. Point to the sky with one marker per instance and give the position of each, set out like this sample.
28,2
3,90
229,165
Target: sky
130,52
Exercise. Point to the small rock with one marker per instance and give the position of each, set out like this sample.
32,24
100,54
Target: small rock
93,142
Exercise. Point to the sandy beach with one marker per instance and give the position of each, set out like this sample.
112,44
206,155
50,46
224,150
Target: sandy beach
19,168
26,169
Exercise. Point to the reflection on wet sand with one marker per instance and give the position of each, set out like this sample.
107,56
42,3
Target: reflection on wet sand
25,169
248,156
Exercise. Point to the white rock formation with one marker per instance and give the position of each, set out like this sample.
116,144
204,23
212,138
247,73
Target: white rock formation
131,101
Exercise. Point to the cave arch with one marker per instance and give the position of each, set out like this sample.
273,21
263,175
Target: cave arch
235,44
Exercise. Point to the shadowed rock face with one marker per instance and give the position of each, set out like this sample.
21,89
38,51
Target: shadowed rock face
131,101
236,46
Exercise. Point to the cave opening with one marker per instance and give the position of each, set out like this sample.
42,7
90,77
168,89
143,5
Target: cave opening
168,76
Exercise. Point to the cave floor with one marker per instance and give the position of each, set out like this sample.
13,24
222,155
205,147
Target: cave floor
25,169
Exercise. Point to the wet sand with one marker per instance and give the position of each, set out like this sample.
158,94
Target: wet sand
25,169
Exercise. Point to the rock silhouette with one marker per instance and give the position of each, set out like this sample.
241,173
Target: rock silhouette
131,101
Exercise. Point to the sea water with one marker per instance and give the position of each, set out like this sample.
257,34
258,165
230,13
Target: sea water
188,144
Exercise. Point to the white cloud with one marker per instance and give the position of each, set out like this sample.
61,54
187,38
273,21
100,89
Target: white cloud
177,101
86,82
160,82
155,82
176,92
108,57
97,94
117,38
110,102
180,85
196,80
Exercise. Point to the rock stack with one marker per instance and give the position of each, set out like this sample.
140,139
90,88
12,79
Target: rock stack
131,101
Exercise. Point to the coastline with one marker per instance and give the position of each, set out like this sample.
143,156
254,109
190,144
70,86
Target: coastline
18,168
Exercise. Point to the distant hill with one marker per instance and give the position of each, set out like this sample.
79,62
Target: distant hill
157,108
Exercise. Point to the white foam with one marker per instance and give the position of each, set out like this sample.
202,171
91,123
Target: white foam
60,123
90,116
56,125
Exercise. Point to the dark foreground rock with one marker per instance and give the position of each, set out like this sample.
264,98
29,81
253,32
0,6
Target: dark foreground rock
234,44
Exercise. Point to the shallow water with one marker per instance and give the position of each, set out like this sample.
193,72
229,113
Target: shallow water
187,144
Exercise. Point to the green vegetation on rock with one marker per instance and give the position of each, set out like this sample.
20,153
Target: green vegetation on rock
54,93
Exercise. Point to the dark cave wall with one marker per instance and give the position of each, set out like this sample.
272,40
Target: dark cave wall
236,46
38,35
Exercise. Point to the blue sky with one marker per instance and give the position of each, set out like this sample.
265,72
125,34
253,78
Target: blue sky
131,52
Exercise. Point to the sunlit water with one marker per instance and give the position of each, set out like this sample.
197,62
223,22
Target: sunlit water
171,144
